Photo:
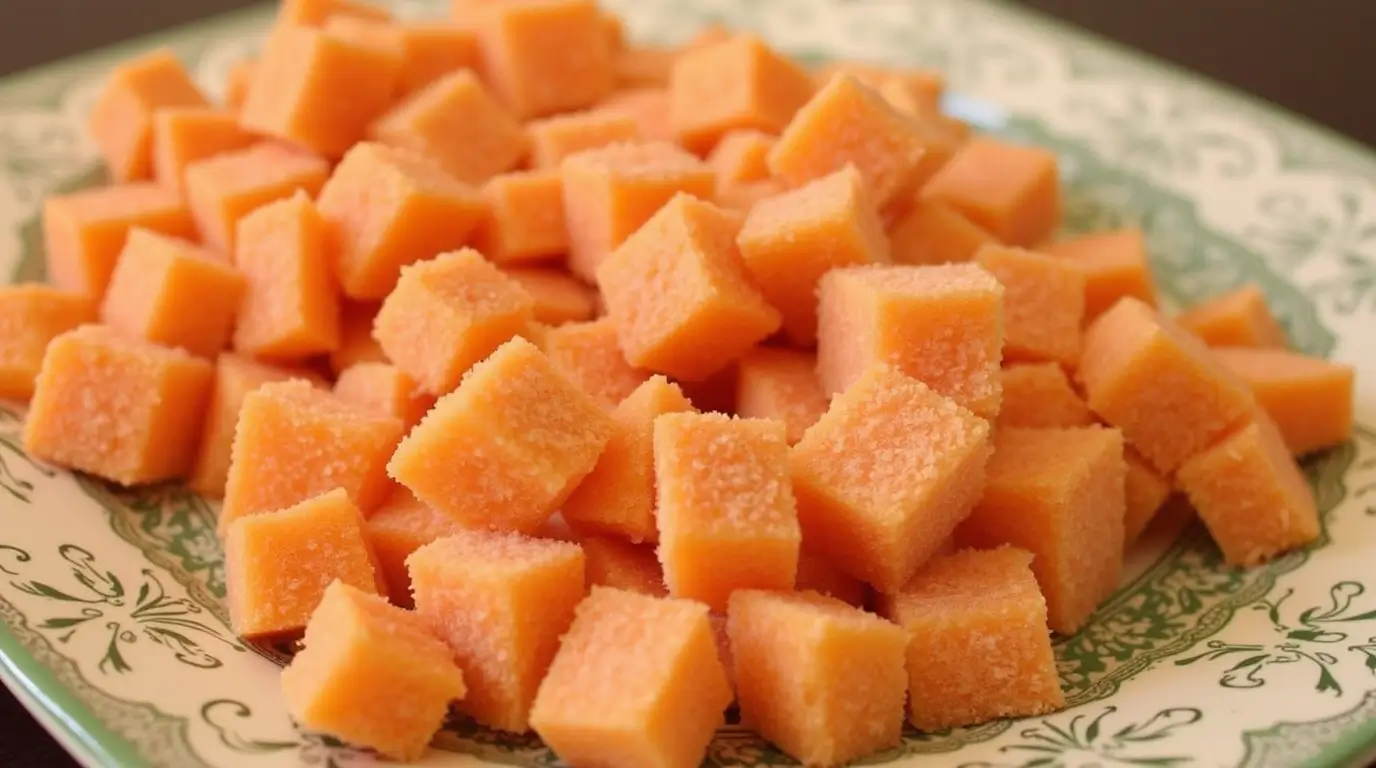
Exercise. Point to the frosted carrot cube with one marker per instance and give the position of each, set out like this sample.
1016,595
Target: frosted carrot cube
508,446
724,509
119,408
372,675
448,313
679,296
780,384
294,441
1115,264
546,56
618,497
1236,319
1159,385
587,354
1058,493
291,307
223,189
384,389
740,156
788,242
31,316
525,219
742,197
818,574
942,325
766,90
1012,191
121,121
181,136
884,477
643,66
555,138
1309,399
1039,395
84,232
174,293
314,13
648,107
635,671
356,342
434,49
934,233
400,526
559,297
1043,304
821,679
1144,491
237,82
389,207
456,123
500,602
623,565
610,192
953,609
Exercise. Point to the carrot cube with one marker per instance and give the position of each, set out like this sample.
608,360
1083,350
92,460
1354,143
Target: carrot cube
181,136
623,565
740,156
587,354
1145,492
371,674
639,672
1309,399
934,233
31,316
223,189
642,66
500,602
525,220
448,313
648,107
314,13
725,512
1039,395
1058,493
1010,190
821,679
678,294
237,82
121,122
384,389
400,526
508,446
942,325
1236,319
356,342
766,91
780,384
1043,304
555,138
1115,264
116,407
818,574
884,477
546,56
559,297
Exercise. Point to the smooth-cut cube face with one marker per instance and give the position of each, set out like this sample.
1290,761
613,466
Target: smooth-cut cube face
740,156
183,135
1010,190
500,602
886,475
555,138
1039,395
31,316
1309,399
1043,304
120,408
819,678
588,355
623,565
447,314
1144,493
356,342
739,83
934,233
399,526
780,384
508,446
384,389
1059,494
1115,264
546,56
223,189
978,645
678,294
121,121
559,297
1240,318
525,220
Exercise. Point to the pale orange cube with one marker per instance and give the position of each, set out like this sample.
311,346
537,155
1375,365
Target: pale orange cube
678,293
816,573
820,679
371,675
1145,492
121,120
588,355
314,13
448,313
508,446
780,384
1059,494
117,407
618,497
500,602
31,316
174,293
223,189
1012,191
401,525
740,156
942,325
1309,399
183,135
934,233
1043,304
1240,318
432,49
356,342
388,207
637,672
955,610
546,57
766,90
648,107
555,138
525,218
725,511
643,66
620,564
237,82
1115,264
559,297
1159,384
384,389
1039,395
886,475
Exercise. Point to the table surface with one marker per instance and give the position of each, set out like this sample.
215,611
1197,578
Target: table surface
1312,57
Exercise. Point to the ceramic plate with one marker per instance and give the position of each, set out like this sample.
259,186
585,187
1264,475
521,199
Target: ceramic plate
114,634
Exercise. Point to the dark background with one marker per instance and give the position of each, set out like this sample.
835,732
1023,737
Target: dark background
1313,56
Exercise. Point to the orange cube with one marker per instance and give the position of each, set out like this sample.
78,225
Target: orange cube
954,608
610,192
1236,319
1010,190
448,313
934,233
618,497
546,57
31,316
623,565
740,156
884,477
648,107
173,293
356,342
780,384
237,82
379,35
433,49
587,354
678,294
525,220
508,446
1309,399
223,189
291,307
643,66
372,675
942,325
121,121
725,512
183,135
1039,395
456,123
1145,492
818,574
555,138
767,89
916,92
1043,304
1159,384
1115,264
851,704
559,297
1058,493
384,389
500,602
314,13
84,232
389,207
294,441
399,526
660,705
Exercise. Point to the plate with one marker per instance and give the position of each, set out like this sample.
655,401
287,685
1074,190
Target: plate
115,636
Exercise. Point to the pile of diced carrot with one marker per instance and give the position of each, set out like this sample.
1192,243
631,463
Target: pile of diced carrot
591,387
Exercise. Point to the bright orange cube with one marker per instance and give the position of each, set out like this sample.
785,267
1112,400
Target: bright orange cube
1043,304
1039,395
31,316
1115,264
1239,318
223,189
766,90
401,525
648,107
1145,492
356,342
934,233
525,220
183,135
555,138
780,384
620,564
1012,191
1309,399
121,121
740,156
384,389
588,355
559,297
546,57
